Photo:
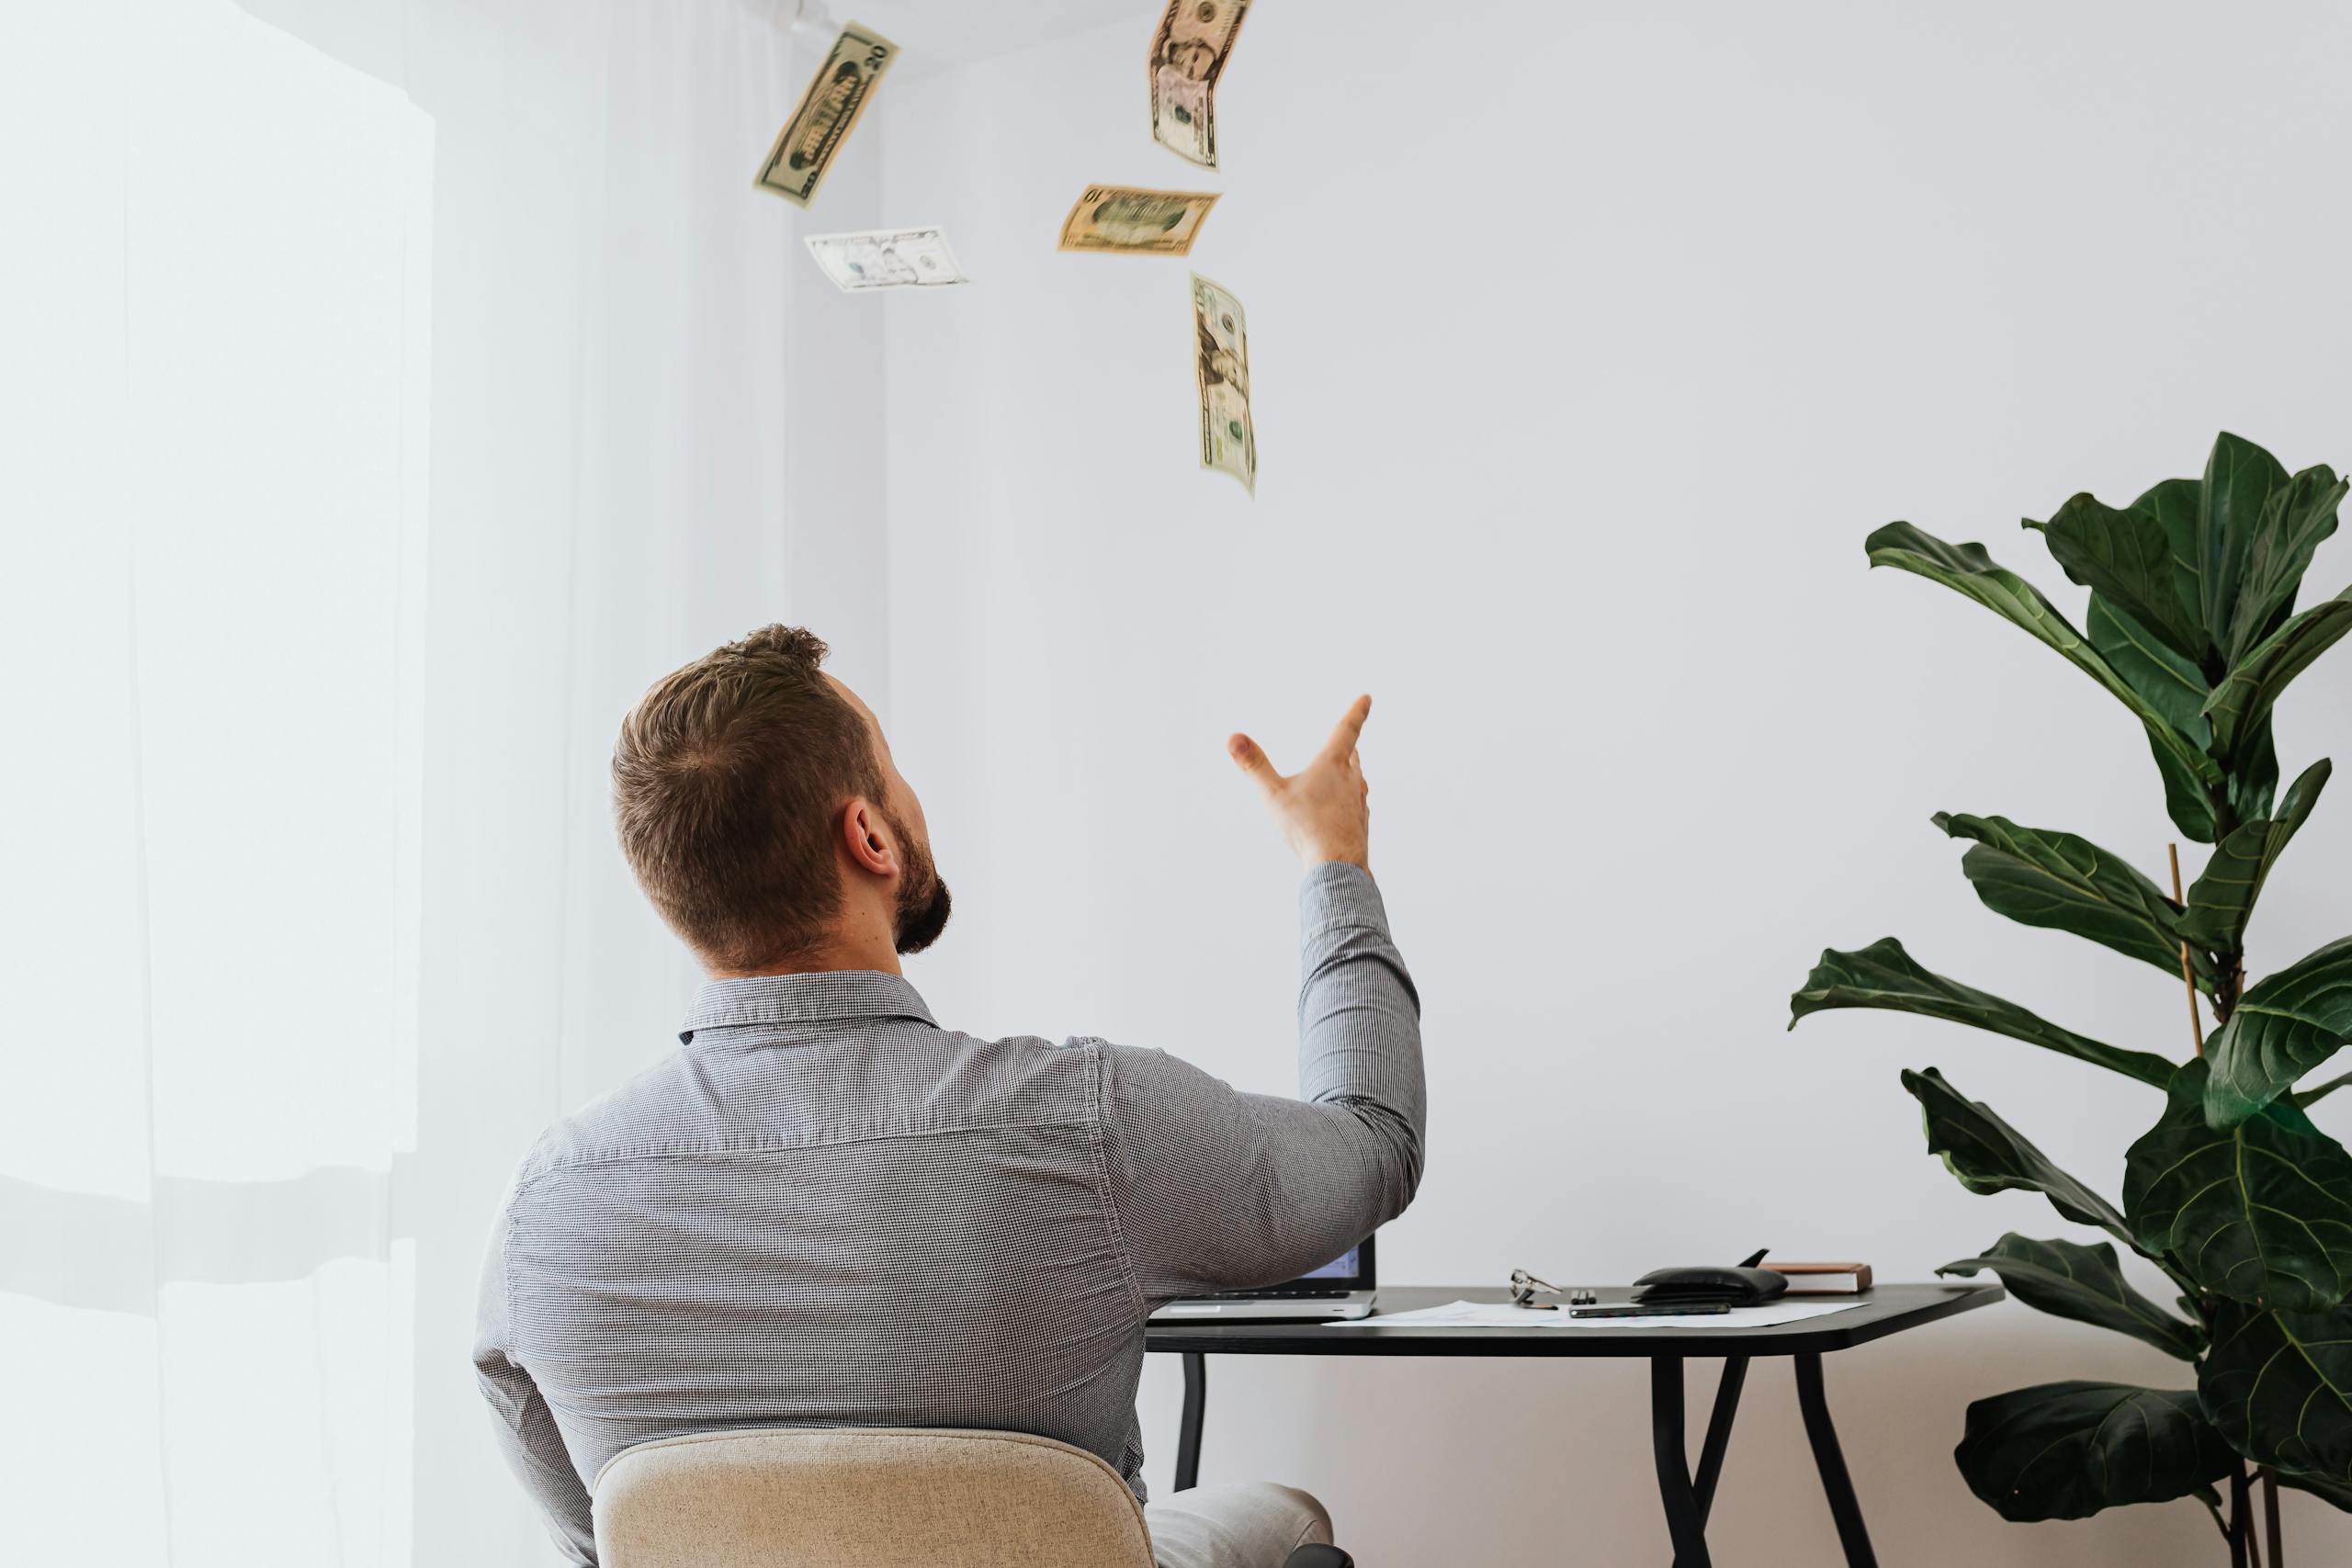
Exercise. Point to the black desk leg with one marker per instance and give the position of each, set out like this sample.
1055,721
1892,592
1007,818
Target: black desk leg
1188,1433
1834,1479
1686,1518
1710,1452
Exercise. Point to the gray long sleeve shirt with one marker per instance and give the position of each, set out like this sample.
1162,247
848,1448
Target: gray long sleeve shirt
825,1210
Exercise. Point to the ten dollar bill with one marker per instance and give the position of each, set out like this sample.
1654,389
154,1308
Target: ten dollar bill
1136,222
805,146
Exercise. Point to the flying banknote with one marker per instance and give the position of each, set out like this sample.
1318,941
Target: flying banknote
1188,54
1136,222
1221,369
885,258
804,148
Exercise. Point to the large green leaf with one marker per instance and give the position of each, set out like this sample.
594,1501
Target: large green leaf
2173,686
2222,898
2125,558
1987,1155
2253,782
2261,1213
2065,1451
2239,480
2278,1385
2296,1018
1968,569
2294,522
2176,688
2042,878
2066,1279
1884,976
2187,801
2243,699
2179,505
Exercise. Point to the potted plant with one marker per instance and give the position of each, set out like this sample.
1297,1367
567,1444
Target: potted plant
2233,1194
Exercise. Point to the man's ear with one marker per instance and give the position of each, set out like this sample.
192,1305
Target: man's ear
867,838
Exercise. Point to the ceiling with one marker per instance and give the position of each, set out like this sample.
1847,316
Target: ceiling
936,34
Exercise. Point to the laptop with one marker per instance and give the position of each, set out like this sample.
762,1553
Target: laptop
1338,1290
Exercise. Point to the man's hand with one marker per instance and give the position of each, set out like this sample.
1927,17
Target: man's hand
1323,809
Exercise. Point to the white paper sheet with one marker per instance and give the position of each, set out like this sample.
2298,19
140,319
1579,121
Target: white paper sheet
1490,1315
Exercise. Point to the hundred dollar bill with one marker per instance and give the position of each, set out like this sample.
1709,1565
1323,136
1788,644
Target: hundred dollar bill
885,258
1221,365
1187,56
1139,222
805,146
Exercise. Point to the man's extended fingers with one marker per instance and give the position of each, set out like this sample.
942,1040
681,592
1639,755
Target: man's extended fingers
1343,738
1251,760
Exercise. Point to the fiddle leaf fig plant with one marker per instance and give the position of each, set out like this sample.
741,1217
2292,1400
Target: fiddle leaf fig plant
2233,1194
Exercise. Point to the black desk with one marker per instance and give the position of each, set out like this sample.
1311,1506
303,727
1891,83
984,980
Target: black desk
1890,1309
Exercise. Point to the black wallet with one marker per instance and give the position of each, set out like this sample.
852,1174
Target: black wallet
1701,1287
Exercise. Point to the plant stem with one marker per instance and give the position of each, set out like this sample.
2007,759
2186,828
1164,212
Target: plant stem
2243,1552
2188,974
2270,1518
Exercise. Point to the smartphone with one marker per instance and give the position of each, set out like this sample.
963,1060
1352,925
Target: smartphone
1694,1309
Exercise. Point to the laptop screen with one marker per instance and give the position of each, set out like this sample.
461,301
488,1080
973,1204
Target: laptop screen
1351,1271
1340,1268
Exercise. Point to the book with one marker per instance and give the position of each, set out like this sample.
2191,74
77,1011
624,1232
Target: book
1824,1279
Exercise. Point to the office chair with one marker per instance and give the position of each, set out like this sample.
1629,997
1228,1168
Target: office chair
873,1497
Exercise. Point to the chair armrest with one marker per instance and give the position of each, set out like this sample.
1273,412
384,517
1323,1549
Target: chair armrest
1317,1556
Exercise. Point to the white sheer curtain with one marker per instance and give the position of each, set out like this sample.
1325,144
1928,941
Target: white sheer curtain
388,389
210,661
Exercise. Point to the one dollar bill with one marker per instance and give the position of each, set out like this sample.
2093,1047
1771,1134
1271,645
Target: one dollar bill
885,258
805,148
1188,54
1221,365
1136,222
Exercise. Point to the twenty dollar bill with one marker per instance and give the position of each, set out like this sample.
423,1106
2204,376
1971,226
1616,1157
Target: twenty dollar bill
1221,365
804,148
1136,222
1187,56
885,258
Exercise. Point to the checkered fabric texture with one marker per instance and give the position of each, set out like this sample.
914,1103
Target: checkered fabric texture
825,1210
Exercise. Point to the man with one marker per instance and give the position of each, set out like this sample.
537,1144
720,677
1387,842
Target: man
826,1210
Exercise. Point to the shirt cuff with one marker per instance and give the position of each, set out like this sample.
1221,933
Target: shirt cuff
1337,894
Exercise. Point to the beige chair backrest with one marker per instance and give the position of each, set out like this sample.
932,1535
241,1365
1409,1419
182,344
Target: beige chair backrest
864,1497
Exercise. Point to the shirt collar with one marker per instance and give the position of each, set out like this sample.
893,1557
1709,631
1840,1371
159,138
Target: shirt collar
788,1001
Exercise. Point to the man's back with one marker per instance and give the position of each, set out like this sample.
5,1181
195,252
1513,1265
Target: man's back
826,1210
830,1212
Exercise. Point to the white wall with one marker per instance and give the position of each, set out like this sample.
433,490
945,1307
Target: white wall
1588,344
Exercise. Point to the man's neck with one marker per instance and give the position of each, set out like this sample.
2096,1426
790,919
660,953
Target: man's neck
858,945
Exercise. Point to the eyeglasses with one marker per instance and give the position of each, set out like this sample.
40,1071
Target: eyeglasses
1525,1286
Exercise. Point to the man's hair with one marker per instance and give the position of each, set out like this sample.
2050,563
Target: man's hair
726,782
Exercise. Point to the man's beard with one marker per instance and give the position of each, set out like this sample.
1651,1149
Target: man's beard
924,903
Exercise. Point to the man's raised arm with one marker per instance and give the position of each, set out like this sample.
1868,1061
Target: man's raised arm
1216,1190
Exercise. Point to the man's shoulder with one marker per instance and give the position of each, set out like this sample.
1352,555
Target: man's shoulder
1021,1077
633,1117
